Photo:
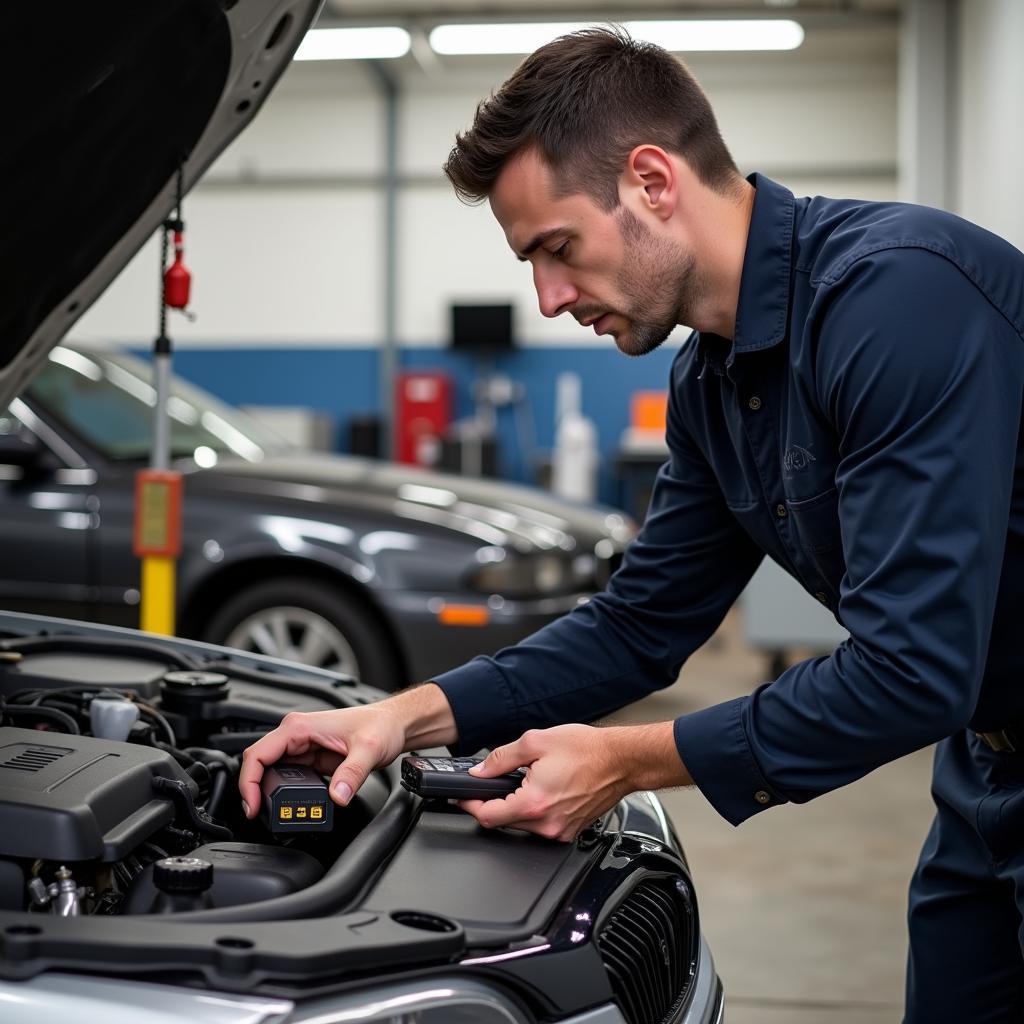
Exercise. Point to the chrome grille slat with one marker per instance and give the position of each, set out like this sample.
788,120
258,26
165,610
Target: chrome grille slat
649,947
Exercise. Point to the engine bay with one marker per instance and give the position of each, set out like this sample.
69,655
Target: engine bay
124,850
119,763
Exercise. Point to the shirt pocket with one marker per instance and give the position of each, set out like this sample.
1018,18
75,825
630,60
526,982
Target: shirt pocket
816,521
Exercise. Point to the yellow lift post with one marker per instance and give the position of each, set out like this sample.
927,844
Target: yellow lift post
158,490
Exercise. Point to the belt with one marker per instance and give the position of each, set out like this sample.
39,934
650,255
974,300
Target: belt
1005,741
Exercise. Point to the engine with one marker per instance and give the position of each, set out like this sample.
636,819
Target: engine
118,781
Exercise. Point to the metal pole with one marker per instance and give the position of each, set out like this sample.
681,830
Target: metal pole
158,491
161,455
389,348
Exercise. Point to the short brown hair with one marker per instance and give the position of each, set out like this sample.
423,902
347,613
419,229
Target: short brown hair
585,101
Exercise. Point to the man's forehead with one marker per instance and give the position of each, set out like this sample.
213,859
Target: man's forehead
525,184
525,202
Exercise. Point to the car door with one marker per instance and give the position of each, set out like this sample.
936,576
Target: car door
49,513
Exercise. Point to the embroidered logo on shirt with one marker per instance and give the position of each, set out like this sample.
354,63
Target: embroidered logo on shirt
797,458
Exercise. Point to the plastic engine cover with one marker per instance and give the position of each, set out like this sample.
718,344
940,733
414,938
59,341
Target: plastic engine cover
74,798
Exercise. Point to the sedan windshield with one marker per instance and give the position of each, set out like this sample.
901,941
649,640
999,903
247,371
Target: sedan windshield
107,399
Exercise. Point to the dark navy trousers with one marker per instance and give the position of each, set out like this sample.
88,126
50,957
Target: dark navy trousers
967,895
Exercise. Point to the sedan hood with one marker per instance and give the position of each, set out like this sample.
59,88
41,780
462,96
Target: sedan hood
121,94
493,512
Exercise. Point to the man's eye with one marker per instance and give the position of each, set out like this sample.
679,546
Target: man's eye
561,252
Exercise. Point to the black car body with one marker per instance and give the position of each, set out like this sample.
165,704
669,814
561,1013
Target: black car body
387,572
131,886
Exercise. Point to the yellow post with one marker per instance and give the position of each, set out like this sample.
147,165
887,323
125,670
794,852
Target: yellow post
158,585
158,544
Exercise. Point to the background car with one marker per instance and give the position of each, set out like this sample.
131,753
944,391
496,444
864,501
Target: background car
386,572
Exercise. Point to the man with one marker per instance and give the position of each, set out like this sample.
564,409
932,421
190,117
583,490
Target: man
849,404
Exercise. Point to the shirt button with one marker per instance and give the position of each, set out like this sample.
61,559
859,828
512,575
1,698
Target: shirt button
754,403
762,797
821,597
781,511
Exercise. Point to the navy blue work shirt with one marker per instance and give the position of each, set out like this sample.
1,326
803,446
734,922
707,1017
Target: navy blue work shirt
863,429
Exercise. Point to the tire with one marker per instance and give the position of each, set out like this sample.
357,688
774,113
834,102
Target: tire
311,622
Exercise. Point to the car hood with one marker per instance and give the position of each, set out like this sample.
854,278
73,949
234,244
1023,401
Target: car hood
490,511
90,161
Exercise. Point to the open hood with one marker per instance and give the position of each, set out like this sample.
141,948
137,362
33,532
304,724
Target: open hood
107,102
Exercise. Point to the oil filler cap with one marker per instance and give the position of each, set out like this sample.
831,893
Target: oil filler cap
186,691
180,875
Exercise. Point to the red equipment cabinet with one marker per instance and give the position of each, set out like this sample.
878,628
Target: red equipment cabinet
423,411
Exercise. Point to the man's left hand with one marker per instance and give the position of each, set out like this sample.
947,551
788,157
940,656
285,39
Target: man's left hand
575,774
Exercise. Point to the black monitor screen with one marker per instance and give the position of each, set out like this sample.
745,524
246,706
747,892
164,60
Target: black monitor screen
478,328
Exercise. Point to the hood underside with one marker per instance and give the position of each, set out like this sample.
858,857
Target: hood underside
112,99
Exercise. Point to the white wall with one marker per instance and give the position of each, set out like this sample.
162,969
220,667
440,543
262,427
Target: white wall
990,150
285,237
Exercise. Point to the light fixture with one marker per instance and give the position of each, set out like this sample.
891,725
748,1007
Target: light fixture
380,43
679,36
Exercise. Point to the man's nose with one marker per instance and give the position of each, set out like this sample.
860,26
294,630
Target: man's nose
554,294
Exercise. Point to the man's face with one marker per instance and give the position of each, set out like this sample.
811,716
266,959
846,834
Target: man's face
608,269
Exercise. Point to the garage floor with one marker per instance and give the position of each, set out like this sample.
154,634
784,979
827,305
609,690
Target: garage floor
804,907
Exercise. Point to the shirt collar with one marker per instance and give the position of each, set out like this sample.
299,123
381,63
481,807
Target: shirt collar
763,307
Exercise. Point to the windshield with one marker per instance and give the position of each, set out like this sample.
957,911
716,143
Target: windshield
106,398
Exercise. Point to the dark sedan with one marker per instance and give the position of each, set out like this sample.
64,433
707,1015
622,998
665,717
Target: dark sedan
385,572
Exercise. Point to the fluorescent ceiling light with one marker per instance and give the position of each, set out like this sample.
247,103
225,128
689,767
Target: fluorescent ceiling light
497,37
353,44
732,34
678,36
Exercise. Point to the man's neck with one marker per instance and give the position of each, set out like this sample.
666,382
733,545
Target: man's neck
726,225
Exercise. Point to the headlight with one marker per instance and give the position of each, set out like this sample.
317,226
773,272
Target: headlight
541,574
449,1001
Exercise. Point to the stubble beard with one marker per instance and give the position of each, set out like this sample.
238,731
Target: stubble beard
660,282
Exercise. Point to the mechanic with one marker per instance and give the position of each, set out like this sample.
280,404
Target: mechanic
849,404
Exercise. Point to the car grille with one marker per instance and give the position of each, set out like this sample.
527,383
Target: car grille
649,950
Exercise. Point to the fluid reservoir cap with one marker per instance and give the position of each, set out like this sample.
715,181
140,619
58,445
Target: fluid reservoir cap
208,685
176,875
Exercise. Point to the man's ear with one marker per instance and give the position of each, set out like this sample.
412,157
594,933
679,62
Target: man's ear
650,170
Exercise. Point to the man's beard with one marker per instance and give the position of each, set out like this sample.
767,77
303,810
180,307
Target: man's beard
660,282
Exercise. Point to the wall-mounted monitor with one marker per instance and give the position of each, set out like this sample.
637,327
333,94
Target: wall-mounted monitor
481,328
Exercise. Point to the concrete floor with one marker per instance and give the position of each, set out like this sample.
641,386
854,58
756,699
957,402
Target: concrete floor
803,906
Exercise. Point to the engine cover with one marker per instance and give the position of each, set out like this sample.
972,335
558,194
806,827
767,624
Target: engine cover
73,798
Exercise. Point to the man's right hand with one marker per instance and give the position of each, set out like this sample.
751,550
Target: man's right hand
349,743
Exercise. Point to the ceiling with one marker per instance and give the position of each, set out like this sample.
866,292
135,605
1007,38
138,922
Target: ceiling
342,11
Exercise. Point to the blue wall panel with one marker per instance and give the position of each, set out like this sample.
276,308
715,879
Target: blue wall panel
344,381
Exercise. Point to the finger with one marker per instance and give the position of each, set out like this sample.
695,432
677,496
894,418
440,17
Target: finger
351,773
287,738
544,825
502,760
325,761
498,813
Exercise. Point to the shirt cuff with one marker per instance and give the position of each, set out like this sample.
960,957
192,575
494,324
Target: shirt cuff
480,699
715,747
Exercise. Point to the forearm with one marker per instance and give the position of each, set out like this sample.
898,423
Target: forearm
426,716
647,756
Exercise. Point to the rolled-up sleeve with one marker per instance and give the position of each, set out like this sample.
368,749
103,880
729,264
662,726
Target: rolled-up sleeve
679,577
921,379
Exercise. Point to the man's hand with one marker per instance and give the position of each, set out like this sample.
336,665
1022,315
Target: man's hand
576,773
349,743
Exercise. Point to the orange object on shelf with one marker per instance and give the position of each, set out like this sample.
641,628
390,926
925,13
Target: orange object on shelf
648,410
